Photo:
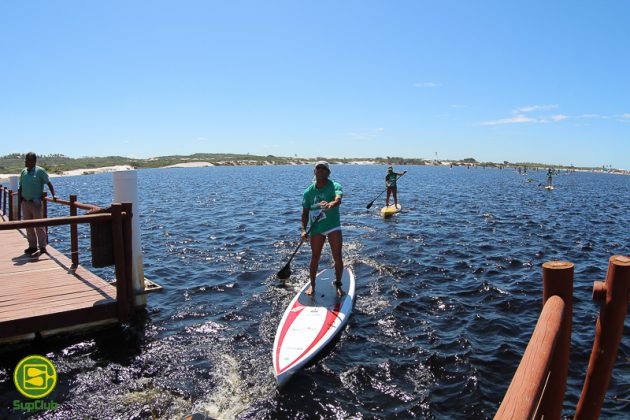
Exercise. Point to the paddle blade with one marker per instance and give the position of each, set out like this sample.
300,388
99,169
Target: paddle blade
369,205
285,273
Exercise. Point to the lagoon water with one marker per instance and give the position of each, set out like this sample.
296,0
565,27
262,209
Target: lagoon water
448,294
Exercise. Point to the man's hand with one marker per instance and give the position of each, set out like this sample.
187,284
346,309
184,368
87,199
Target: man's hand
327,205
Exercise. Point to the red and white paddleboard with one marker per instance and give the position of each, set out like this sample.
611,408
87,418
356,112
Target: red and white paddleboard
311,322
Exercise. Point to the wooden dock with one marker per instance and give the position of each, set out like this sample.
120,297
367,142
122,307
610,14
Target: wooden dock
42,292
49,293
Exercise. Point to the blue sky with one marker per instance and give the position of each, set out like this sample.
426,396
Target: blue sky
493,80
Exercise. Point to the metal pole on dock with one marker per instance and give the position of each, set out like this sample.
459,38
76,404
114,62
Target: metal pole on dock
126,191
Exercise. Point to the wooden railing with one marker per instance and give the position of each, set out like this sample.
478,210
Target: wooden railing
538,386
120,218
5,201
614,296
525,394
74,205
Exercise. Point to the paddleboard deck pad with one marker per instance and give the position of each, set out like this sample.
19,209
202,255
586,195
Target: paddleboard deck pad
311,322
389,211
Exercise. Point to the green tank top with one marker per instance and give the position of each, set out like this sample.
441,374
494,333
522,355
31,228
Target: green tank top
313,196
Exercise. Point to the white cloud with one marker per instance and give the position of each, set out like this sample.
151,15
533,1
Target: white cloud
512,120
427,85
458,106
532,108
519,116
589,116
202,139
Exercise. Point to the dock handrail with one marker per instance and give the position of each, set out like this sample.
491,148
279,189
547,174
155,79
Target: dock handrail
535,395
74,234
526,391
614,296
120,217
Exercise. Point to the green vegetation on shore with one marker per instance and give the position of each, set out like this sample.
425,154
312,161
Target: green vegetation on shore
58,163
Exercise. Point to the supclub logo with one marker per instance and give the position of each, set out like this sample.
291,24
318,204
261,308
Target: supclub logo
35,377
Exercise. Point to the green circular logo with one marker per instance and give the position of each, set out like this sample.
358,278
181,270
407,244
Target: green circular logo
35,377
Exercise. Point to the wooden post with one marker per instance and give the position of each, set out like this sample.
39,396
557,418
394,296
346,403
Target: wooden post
44,214
558,281
608,332
19,207
2,193
127,237
523,397
119,261
74,242
10,205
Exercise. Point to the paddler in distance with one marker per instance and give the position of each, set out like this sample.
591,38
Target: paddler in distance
390,183
320,207
549,177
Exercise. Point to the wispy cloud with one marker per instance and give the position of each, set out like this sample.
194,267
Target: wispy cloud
427,84
529,114
559,117
202,139
517,119
365,135
458,106
520,116
532,108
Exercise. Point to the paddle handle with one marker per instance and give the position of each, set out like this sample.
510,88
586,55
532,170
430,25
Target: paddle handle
307,232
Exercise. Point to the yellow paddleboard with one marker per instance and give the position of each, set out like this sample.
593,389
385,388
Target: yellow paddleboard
389,211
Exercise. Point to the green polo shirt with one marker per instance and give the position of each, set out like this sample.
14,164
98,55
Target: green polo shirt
391,178
313,196
32,182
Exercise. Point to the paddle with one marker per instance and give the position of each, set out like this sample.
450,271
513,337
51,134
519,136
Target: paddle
285,272
372,202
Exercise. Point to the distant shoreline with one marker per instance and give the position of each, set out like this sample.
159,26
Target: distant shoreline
203,164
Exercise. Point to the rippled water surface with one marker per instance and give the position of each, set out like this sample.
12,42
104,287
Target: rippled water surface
448,294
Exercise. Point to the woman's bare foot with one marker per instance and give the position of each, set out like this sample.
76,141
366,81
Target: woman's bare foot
310,291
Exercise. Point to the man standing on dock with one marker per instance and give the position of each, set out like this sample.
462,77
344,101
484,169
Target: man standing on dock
30,191
320,207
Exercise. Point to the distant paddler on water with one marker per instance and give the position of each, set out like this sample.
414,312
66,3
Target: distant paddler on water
549,179
390,182
387,189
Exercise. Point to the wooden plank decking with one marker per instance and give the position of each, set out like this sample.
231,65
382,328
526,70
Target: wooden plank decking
43,292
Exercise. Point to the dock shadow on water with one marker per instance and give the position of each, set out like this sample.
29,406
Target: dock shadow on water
447,295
